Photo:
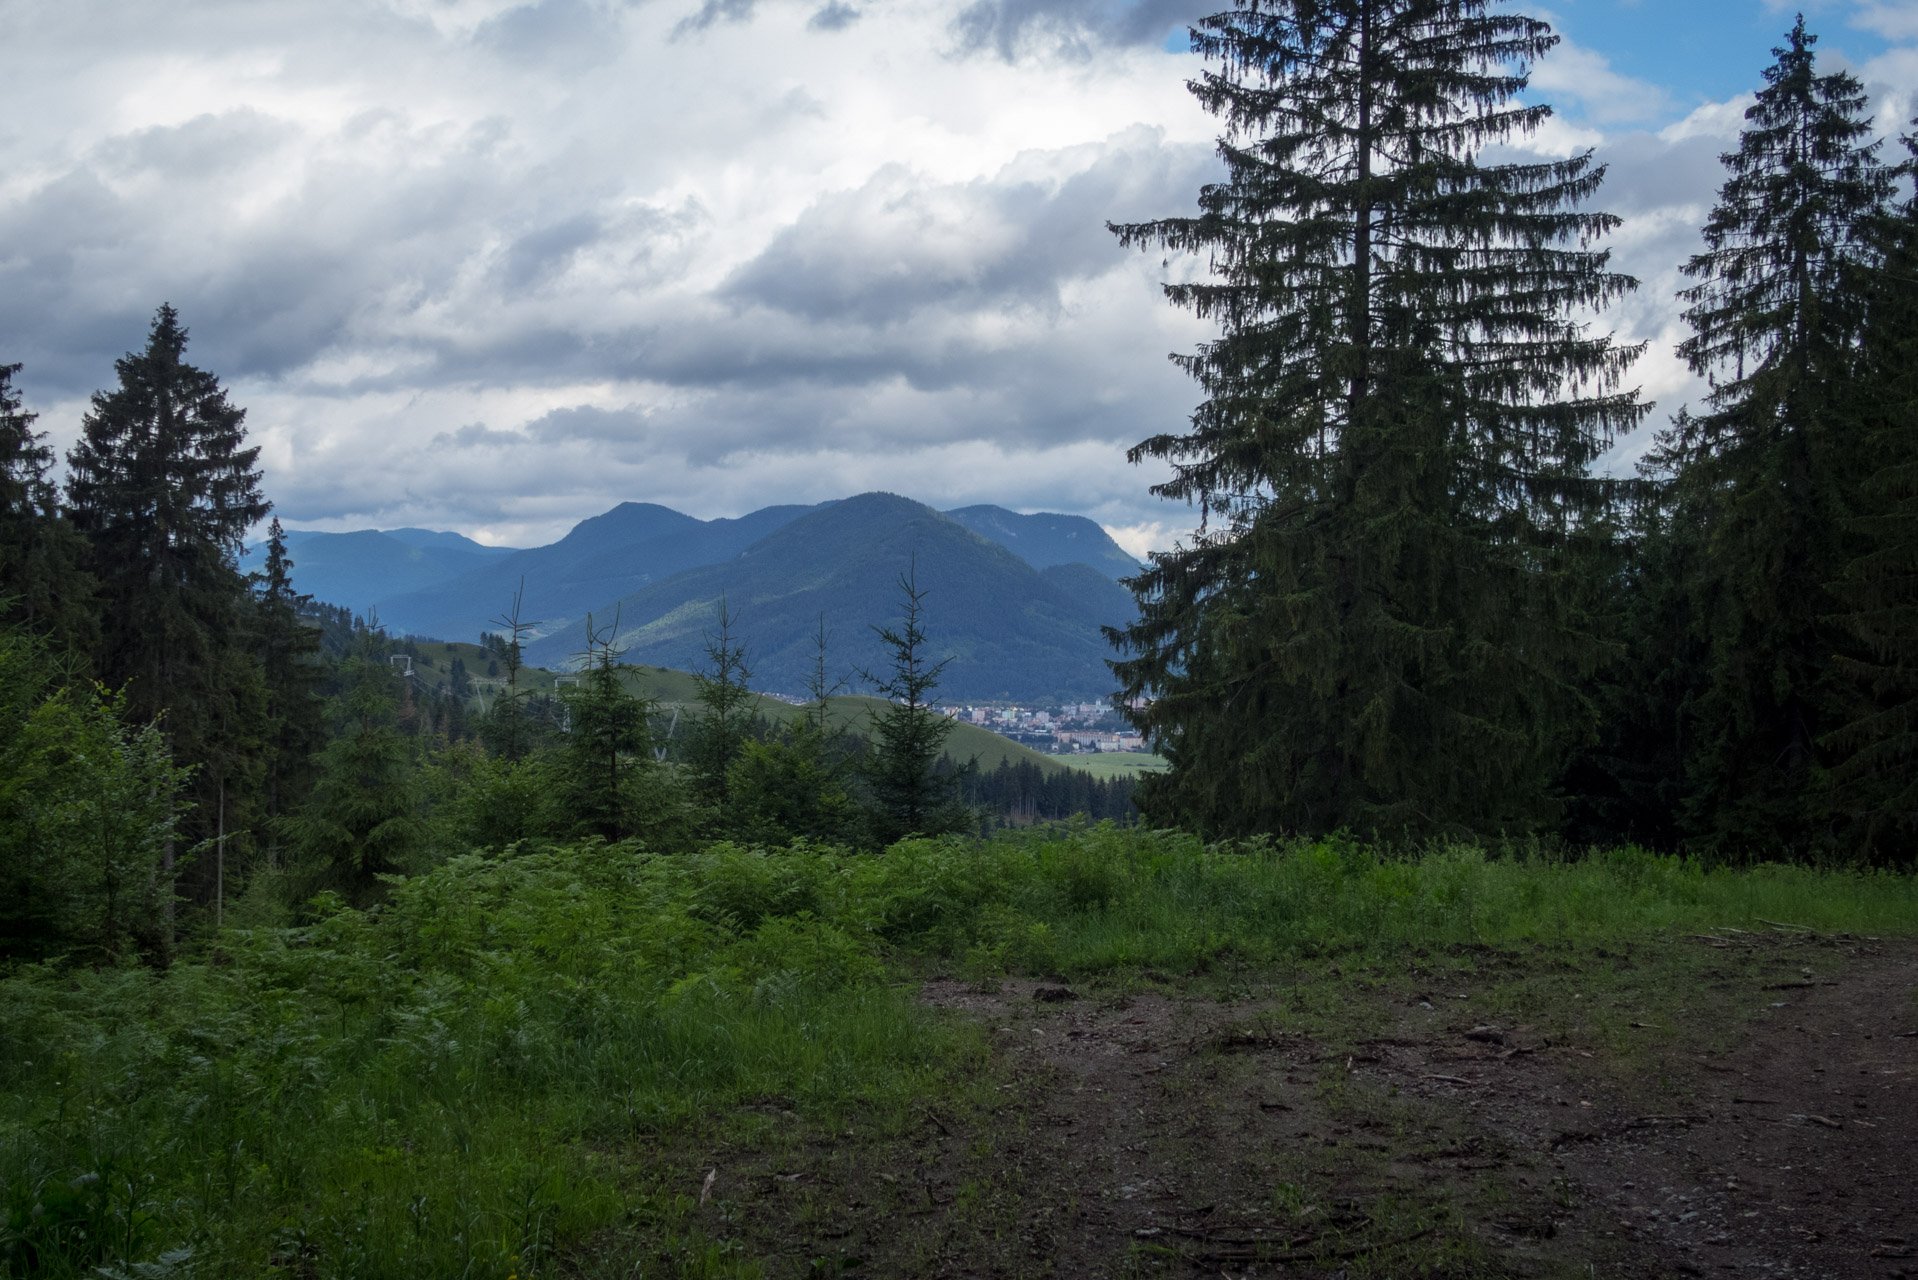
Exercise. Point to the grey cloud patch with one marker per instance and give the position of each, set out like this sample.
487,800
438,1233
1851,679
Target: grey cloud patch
477,435
587,423
884,252
1073,28
836,16
565,35
203,147
549,250
713,11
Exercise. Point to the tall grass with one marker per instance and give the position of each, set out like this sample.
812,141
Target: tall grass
426,1088
417,1090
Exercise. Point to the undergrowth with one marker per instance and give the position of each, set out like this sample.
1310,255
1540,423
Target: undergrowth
457,1081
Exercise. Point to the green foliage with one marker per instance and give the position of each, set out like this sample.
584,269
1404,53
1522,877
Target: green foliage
428,1089
361,821
479,800
1764,485
790,785
480,1076
89,804
1382,621
606,772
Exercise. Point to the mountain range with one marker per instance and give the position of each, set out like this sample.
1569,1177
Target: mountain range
1014,602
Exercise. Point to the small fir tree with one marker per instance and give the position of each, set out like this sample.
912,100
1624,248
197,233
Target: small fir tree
1380,624
509,730
910,795
361,820
793,783
606,768
725,718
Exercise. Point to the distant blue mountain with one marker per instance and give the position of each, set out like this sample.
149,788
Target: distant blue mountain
1045,539
356,569
598,561
1007,629
450,541
432,583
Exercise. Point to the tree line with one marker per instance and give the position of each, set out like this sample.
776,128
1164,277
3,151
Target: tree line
182,744
1414,607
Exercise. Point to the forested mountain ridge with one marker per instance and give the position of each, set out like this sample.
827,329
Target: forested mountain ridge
364,566
1046,538
447,586
599,560
1009,630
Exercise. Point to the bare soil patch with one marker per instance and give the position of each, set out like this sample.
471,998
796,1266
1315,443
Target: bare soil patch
1496,1114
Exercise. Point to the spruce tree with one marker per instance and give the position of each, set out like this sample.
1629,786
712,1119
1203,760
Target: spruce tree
289,648
361,819
1378,625
1767,476
1876,747
44,584
725,714
163,487
910,794
606,765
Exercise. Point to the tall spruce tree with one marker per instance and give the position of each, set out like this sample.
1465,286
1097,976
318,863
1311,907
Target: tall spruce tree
44,584
1378,625
1768,476
289,647
1876,749
164,488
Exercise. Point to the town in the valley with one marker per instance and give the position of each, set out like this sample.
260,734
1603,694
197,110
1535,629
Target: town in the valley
1070,729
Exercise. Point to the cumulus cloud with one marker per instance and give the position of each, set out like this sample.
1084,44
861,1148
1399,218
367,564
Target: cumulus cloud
496,266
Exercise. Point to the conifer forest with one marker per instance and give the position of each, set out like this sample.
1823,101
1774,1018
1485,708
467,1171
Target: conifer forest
1529,891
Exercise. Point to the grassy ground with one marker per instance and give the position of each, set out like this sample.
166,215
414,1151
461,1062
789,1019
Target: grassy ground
527,1067
1115,764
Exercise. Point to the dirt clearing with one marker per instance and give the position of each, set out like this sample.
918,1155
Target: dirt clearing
1733,1104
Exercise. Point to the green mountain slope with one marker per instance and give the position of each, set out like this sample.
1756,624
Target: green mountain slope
1009,631
599,559
1048,538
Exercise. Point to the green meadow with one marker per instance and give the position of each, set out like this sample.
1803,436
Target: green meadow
480,1075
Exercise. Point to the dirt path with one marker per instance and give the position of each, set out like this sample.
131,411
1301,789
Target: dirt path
1151,1133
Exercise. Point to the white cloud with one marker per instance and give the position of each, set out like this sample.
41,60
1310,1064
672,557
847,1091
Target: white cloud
496,266
1892,19
1572,71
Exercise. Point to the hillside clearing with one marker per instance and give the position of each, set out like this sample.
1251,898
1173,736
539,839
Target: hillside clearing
597,1061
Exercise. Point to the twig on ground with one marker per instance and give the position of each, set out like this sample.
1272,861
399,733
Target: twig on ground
1308,1255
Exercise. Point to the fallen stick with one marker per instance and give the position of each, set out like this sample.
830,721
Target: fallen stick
1304,1255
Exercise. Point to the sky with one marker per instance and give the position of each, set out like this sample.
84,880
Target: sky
495,267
